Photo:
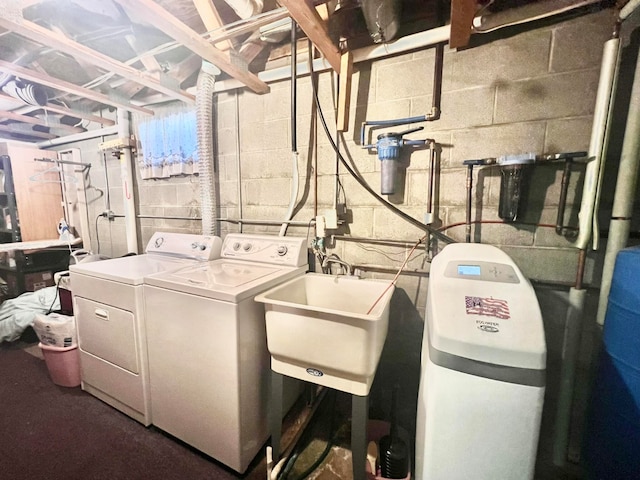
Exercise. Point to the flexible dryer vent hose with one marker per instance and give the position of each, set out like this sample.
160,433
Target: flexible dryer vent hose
206,165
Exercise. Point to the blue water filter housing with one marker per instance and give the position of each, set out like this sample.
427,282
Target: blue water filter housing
612,442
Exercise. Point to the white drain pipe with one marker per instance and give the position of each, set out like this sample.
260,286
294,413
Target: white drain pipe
126,173
597,147
624,196
206,166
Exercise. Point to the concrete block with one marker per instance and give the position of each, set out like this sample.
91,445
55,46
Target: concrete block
403,77
266,164
496,140
389,225
159,194
553,96
586,35
252,109
255,137
451,186
267,192
568,134
472,107
499,62
226,142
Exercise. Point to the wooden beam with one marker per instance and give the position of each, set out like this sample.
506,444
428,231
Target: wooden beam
462,13
311,23
149,61
174,28
60,42
61,110
27,133
37,121
68,87
344,91
212,20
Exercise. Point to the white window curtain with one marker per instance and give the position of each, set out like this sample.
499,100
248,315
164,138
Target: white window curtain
169,145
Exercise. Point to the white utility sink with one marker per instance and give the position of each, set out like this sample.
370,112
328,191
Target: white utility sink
318,329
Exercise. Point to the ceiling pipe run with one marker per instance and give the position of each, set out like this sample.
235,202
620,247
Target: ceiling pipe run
246,8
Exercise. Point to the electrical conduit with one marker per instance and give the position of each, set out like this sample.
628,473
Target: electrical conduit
206,167
295,180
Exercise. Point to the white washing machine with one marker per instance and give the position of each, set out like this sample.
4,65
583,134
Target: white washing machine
483,369
109,312
206,335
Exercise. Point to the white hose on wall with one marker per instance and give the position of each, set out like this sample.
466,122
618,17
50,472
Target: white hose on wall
597,149
294,194
206,167
625,194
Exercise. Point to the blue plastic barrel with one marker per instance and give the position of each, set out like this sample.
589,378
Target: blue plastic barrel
612,443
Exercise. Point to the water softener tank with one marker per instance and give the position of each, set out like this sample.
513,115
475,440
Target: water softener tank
482,379
612,441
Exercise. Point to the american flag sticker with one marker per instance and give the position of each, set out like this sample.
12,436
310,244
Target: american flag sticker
487,306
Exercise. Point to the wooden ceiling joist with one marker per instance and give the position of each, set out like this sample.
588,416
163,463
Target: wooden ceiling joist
36,121
29,133
174,28
60,42
462,13
212,21
68,87
62,111
309,20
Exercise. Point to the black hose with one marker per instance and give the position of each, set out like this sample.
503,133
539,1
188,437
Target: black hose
364,184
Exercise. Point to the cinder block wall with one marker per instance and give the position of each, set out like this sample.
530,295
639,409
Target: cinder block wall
525,92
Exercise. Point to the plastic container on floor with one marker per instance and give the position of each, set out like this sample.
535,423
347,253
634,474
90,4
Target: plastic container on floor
63,364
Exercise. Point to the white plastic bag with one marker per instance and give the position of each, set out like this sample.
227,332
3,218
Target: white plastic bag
55,329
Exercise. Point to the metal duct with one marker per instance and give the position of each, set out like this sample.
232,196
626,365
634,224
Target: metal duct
246,8
204,118
382,18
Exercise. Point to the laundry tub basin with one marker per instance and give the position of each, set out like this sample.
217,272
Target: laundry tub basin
328,329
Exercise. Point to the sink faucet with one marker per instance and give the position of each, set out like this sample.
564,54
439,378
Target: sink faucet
333,258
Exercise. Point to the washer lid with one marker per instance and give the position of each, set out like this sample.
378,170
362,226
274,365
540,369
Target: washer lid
481,307
226,274
129,270
226,280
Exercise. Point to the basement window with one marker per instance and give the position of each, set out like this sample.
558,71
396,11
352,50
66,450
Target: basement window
169,145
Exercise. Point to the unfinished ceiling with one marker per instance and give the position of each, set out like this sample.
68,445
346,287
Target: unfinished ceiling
62,62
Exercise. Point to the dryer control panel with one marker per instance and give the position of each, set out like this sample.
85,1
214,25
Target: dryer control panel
287,251
185,245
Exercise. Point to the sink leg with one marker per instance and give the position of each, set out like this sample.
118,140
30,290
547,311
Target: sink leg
275,414
359,417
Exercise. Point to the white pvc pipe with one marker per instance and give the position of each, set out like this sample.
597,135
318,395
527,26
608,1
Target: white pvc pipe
570,350
246,8
628,9
404,44
625,194
604,100
128,194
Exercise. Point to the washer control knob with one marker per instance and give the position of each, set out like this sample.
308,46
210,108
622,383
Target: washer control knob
203,247
282,250
246,247
194,245
236,246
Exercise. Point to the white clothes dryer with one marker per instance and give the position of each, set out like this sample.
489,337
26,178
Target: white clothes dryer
110,317
208,360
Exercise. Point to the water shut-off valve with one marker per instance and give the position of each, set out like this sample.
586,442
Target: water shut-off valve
388,147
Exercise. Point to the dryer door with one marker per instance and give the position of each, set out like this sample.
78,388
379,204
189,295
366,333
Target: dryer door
108,333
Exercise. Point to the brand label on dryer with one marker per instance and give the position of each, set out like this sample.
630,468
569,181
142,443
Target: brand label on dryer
314,372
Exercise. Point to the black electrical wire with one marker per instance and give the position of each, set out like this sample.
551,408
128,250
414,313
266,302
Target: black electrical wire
364,184
97,234
330,442
54,300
